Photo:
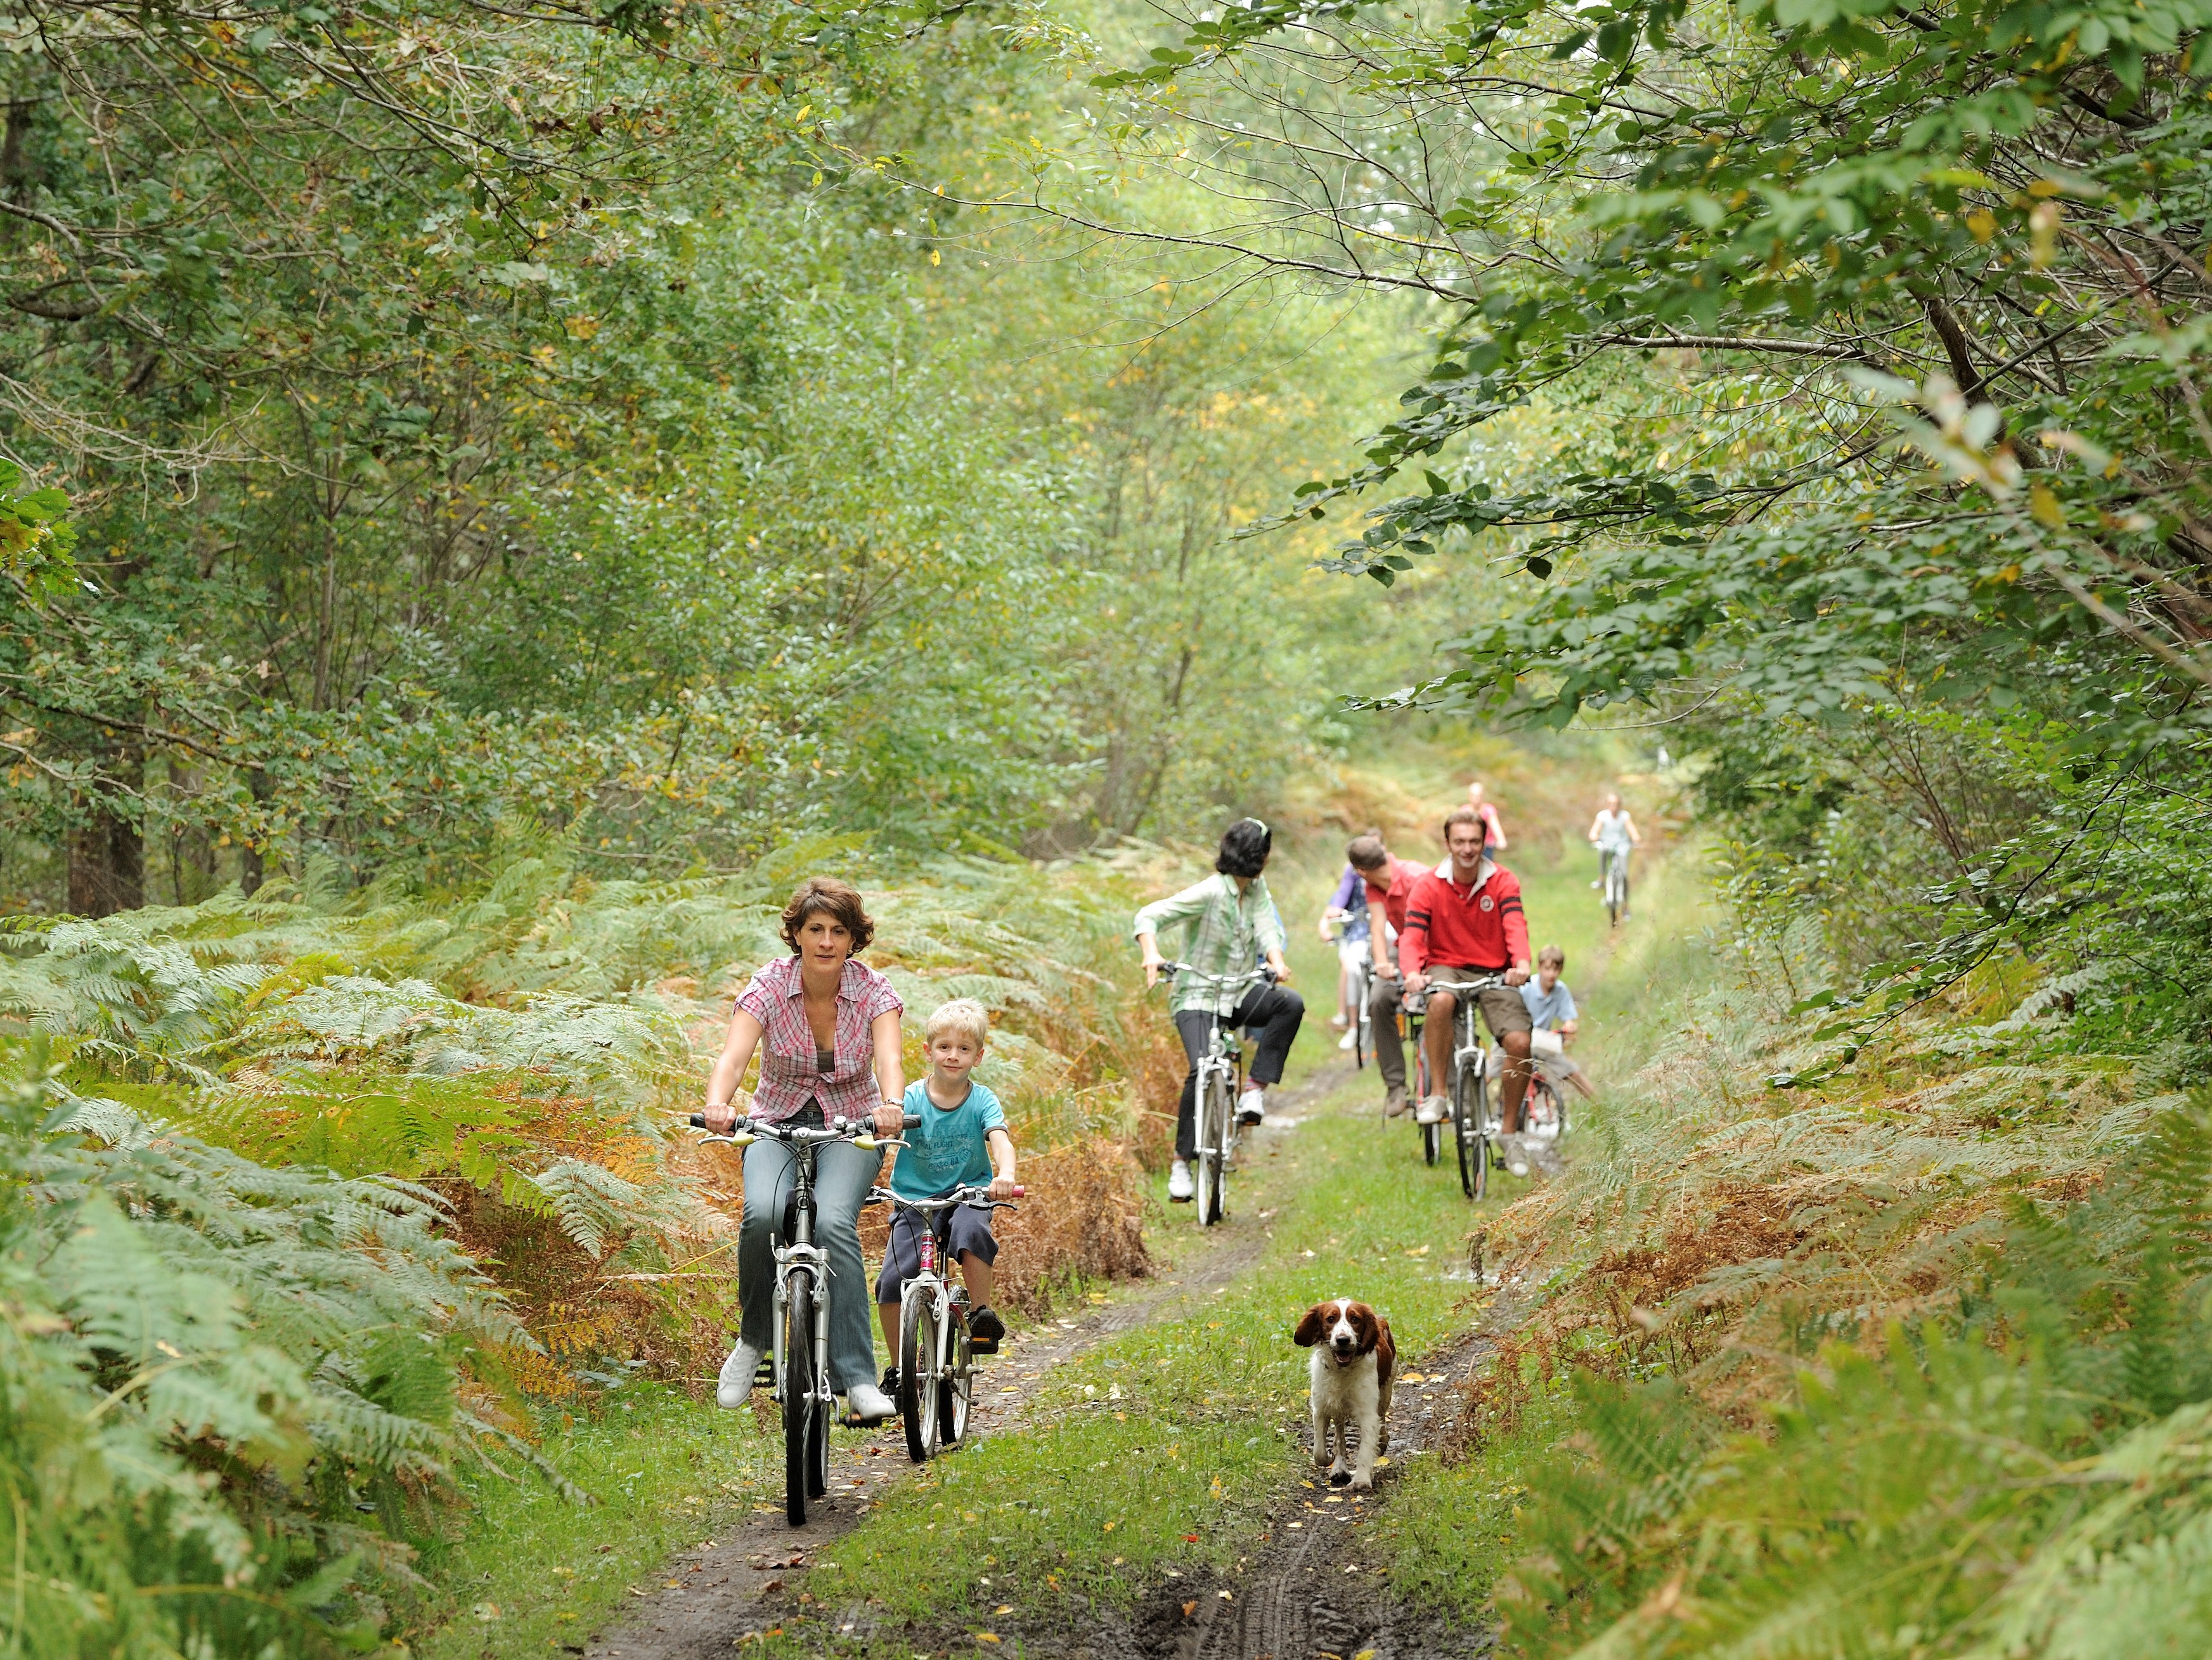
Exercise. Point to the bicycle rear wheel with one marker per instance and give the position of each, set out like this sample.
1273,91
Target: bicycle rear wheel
1467,1118
800,1406
917,1390
957,1391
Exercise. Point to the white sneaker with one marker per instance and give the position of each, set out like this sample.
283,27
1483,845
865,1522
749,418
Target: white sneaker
869,1404
1433,1109
735,1385
1517,1155
1180,1186
1252,1107
1345,1042
1595,886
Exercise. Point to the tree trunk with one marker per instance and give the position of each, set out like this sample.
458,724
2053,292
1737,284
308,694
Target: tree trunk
106,867
251,873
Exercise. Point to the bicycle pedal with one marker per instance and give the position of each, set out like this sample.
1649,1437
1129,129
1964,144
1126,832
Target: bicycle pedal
983,1346
764,1374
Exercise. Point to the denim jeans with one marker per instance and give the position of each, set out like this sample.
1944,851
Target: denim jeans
843,1175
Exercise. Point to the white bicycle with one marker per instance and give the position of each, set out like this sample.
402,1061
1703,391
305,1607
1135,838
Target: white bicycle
1220,1080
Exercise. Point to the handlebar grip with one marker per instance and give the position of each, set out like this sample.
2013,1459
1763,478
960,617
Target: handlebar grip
1020,1192
698,1121
910,1121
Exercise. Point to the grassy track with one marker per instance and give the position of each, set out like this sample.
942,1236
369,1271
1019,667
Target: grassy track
1156,1452
531,1570
1159,1449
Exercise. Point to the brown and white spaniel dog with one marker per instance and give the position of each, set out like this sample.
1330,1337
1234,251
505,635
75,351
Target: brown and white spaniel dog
1353,1360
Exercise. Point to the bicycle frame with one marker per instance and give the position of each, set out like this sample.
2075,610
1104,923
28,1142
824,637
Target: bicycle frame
1224,1063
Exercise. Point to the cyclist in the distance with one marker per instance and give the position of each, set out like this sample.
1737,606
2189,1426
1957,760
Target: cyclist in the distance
1390,882
1462,924
1343,924
1230,924
1613,833
1490,821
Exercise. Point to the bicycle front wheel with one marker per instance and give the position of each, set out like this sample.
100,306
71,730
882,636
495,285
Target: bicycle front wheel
917,1390
800,1406
1213,1148
957,1391
1467,1134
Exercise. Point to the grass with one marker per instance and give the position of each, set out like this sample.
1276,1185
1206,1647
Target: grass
1161,1450
526,1570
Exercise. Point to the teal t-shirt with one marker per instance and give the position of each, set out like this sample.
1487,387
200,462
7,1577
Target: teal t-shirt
949,1148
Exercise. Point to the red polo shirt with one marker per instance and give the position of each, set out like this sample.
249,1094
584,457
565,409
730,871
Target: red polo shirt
1477,927
1390,901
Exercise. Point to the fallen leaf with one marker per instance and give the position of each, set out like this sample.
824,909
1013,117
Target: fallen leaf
1003,1607
1190,1610
986,1637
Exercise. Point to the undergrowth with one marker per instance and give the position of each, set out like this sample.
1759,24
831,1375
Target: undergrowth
1912,1363
328,1194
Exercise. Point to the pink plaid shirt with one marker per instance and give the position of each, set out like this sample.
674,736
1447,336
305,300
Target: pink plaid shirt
789,1077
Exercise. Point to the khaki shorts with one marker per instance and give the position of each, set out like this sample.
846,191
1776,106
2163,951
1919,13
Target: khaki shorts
1503,1011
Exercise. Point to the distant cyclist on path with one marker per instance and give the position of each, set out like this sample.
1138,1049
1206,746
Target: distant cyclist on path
1230,924
1613,833
1390,882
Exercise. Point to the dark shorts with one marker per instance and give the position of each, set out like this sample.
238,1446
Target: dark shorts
1503,1011
971,1231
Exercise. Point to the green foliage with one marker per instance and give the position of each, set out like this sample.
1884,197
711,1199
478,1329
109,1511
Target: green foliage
1831,372
227,1388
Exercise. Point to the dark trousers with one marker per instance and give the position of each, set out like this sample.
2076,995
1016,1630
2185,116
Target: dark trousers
1277,1011
1384,1000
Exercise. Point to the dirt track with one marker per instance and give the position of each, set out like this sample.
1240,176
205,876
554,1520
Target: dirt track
710,1597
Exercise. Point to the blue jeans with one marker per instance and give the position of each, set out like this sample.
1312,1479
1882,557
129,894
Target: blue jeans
843,1175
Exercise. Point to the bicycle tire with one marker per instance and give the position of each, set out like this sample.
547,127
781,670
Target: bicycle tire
956,1393
817,1450
1214,1108
917,1395
798,1385
1432,1142
1467,1133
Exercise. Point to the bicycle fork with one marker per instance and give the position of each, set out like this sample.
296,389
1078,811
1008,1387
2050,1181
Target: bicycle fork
803,1253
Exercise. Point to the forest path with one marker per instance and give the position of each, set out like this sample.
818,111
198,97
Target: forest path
731,1586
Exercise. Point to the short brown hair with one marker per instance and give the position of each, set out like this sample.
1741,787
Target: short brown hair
1467,816
1550,957
840,899
1367,853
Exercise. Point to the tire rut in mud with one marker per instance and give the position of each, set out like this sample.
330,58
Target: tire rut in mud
1308,1593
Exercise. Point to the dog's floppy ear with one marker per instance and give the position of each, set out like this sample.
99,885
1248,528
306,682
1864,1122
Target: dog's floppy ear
1311,1328
1364,1321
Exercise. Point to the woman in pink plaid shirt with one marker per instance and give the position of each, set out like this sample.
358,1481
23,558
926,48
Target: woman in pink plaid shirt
827,1030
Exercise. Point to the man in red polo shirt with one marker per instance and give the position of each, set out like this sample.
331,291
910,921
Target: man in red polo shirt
1390,885
1460,924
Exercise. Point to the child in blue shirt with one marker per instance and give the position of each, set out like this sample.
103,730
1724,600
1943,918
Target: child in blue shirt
961,1141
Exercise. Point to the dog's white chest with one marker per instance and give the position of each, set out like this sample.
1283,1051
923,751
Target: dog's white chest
1346,1391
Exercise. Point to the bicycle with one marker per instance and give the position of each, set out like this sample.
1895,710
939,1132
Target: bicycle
1475,1126
1363,1030
1545,1113
1220,1080
1616,883
936,1378
798,1364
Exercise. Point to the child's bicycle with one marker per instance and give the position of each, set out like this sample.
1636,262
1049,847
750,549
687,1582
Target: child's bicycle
1220,1081
1475,1126
798,1364
936,1376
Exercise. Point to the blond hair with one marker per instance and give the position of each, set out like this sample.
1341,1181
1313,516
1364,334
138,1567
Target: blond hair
963,1015
1551,955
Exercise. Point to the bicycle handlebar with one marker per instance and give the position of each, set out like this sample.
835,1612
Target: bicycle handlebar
1169,970
979,1197
860,1131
